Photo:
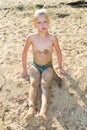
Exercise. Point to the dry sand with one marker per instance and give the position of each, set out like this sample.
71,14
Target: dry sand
68,96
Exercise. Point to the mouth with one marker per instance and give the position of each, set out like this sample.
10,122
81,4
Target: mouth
43,28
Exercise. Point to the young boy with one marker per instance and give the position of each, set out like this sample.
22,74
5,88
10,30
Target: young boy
41,70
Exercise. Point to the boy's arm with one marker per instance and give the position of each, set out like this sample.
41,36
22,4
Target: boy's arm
24,56
58,52
59,56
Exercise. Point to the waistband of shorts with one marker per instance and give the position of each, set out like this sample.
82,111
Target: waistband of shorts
49,65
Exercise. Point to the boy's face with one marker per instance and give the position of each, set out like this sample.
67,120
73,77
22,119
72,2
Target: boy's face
42,23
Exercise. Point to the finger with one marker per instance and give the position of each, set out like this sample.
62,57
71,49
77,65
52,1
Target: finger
60,74
63,72
23,75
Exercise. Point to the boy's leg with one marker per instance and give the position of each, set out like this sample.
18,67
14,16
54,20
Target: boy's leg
45,84
34,83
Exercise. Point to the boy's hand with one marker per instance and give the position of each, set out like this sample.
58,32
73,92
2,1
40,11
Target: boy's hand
24,73
61,72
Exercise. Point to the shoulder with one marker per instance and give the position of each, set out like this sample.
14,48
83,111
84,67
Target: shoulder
54,37
32,35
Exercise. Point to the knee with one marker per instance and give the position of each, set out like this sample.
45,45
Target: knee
44,85
33,82
45,88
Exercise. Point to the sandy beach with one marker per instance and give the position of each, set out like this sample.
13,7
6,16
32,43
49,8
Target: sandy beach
67,109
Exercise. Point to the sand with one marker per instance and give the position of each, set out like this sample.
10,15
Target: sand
68,95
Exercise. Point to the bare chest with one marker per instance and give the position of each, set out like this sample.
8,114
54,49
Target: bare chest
42,45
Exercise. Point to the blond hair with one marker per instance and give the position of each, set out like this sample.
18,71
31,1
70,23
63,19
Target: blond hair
41,12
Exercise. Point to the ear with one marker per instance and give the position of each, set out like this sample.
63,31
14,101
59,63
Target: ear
34,23
48,21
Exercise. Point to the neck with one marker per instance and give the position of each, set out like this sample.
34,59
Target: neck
43,34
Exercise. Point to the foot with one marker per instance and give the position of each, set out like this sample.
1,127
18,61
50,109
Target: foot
31,112
42,116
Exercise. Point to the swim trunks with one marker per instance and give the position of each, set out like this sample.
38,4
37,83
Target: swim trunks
41,68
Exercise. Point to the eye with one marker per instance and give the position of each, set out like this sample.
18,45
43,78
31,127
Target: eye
45,21
38,22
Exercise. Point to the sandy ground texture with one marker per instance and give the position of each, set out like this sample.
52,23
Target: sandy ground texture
68,95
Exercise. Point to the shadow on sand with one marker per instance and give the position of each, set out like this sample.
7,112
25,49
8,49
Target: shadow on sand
76,4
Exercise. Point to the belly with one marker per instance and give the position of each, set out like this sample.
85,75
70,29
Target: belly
42,58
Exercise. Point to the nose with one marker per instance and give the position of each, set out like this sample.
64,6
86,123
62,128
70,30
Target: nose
43,25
